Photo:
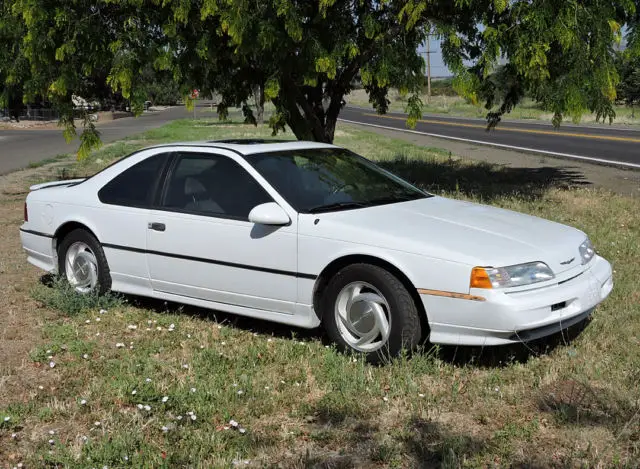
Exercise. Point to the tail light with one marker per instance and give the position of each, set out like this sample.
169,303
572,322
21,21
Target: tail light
26,214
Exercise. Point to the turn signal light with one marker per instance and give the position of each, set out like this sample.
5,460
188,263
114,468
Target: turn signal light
480,278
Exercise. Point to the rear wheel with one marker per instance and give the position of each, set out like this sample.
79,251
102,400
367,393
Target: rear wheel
82,262
367,309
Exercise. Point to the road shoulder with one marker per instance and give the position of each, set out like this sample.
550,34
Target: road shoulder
620,181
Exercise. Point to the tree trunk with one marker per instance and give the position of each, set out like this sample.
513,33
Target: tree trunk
306,113
258,96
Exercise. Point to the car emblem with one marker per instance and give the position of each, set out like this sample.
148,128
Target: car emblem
569,261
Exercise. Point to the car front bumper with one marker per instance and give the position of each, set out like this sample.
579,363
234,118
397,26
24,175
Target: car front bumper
508,317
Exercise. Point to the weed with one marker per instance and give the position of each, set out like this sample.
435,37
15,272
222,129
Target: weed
63,297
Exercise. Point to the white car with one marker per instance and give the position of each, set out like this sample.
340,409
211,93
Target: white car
306,234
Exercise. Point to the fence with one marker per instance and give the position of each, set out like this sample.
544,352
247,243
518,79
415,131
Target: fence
33,114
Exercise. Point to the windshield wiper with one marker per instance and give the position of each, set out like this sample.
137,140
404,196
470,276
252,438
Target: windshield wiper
336,206
391,199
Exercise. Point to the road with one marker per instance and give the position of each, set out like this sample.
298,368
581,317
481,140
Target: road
20,147
610,145
599,144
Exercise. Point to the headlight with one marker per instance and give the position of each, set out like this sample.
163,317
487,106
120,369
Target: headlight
511,276
587,251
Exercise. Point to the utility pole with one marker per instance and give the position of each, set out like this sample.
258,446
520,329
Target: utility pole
428,53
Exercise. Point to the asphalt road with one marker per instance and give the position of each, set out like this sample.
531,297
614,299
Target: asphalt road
20,147
602,144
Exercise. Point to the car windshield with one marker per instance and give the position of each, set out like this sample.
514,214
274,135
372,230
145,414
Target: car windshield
330,179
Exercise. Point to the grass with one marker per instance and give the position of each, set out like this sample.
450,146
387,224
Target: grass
563,402
459,107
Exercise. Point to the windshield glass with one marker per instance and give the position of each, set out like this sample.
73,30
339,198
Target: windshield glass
329,179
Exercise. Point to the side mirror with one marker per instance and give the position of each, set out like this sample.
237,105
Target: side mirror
269,214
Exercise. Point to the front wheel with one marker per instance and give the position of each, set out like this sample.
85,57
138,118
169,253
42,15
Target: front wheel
82,262
367,309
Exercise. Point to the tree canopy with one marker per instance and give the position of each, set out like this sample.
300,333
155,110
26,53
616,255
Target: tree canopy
306,54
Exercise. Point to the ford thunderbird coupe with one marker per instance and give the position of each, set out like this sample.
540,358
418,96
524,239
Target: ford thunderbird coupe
311,234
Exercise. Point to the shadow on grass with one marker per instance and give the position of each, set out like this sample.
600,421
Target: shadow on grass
504,355
481,357
484,180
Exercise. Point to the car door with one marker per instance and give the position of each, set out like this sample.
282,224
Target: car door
200,243
120,218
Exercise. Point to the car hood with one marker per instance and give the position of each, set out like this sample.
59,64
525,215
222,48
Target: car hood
454,230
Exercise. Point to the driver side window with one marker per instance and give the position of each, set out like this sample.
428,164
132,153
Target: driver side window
212,185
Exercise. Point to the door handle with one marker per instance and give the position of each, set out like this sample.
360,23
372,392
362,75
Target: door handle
157,226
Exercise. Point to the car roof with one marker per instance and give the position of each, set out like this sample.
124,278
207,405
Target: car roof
251,146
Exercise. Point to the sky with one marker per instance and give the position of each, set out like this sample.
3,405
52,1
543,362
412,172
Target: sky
438,68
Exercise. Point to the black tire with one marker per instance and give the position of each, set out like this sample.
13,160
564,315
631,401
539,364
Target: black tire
79,235
405,331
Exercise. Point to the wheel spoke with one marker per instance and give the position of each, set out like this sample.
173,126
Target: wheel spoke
365,339
353,293
382,323
348,325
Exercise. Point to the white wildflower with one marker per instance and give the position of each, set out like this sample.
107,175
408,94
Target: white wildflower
85,356
188,336
193,417
52,432
6,419
242,430
165,429
165,398
52,442
240,392
223,343
14,436
185,366
97,319
233,423
52,364
140,406
83,402
97,423
385,398
159,328
193,389
102,311
147,408
40,387
134,392
179,417
148,380
420,395
88,321
132,327
119,345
